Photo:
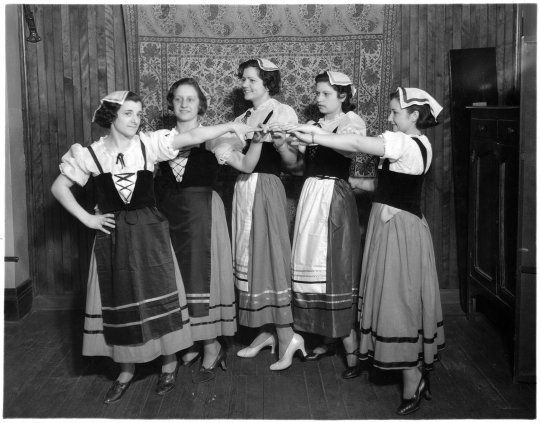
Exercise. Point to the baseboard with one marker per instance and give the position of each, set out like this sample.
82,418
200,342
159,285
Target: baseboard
59,302
18,301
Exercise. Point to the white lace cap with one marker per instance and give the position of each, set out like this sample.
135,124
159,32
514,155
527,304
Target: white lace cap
410,96
114,97
267,65
339,78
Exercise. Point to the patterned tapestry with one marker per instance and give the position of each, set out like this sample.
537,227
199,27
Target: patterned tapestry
208,42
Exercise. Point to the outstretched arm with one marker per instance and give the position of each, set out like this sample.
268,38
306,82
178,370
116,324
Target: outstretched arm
199,135
62,192
345,142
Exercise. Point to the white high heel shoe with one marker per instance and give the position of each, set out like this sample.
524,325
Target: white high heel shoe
251,352
297,343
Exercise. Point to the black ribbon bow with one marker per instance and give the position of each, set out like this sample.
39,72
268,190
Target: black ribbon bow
120,158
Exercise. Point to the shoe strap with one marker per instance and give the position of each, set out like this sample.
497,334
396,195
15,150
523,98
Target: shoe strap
355,352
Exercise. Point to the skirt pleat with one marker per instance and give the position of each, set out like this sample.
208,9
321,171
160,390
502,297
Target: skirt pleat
268,298
400,308
221,320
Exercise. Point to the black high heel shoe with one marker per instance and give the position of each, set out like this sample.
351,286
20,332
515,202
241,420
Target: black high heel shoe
413,404
117,391
331,349
351,371
205,375
185,365
167,381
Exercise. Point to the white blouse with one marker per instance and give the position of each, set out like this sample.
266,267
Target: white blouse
404,154
78,164
223,147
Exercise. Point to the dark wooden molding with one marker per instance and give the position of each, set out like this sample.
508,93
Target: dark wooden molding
18,301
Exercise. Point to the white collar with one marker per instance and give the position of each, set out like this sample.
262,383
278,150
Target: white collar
114,153
262,106
322,121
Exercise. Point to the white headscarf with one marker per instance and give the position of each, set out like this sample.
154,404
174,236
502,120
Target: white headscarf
267,65
410,96
114,97
338,78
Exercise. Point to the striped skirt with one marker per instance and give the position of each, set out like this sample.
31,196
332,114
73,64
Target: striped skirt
94,341
261,250
400,308
326,259
136,306
221,320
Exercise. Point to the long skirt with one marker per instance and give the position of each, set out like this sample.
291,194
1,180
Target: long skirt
326,259
400,307
189,222
261,250
135,263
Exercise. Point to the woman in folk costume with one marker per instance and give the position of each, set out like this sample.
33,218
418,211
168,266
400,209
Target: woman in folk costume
401,317
326,249
261,243
136,306
198,227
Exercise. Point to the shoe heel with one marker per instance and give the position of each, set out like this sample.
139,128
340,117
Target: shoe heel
427,392
223,365
273,346
302,350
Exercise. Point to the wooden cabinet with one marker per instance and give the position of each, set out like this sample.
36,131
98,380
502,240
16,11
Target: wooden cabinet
525,345
493,206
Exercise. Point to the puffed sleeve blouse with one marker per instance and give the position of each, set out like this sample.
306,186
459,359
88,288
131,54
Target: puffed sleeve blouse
78,164
403,153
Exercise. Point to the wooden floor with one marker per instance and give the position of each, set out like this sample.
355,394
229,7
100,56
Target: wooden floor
45,375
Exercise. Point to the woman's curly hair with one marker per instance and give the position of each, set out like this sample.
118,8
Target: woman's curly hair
425,117
271,79
203,102
108,111
342,90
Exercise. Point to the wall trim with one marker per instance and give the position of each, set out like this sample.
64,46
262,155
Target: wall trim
18,301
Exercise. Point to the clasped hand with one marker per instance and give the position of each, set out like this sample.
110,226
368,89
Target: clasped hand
274,129
300,134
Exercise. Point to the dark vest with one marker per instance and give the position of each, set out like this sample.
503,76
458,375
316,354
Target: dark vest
202,170
270,160
401,190
324,161
109,199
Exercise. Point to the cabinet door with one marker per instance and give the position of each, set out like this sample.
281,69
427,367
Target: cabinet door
508,182
483,222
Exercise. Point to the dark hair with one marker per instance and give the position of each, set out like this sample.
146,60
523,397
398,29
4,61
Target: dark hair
425,118
108,111
203,102
270,79
342,90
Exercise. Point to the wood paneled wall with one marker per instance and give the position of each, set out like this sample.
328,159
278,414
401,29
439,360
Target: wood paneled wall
424,35
82,58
